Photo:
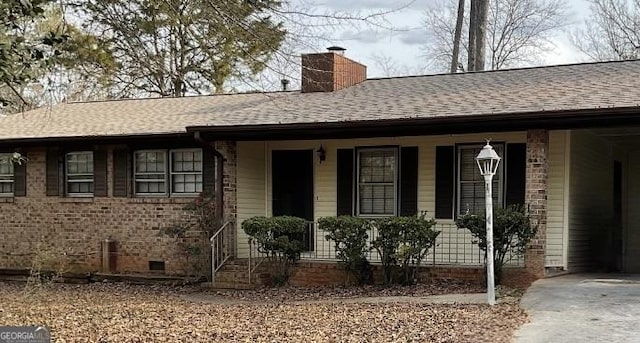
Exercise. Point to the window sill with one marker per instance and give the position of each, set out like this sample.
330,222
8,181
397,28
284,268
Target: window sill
376,216
163,200
77,199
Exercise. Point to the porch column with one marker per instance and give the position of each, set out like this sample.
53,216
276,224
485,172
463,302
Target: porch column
536,198
228,151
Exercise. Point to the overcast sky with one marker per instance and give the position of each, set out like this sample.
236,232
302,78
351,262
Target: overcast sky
405,44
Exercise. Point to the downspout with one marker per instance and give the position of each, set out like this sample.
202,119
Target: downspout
219,191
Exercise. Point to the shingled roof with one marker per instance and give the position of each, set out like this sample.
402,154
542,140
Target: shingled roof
528,91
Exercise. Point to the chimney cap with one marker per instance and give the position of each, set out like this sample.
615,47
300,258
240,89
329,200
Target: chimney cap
284,83
336,49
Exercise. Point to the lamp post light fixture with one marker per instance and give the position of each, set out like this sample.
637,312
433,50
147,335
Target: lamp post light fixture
488,161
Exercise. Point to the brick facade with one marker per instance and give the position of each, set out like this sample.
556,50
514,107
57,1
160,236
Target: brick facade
312,274
71,229
329,72
536,198
229,184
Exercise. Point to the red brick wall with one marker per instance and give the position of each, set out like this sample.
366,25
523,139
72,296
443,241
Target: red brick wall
327,273
536,199
328,72
72,229
347,72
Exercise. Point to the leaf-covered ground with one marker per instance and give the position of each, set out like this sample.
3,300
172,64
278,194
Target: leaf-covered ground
124,313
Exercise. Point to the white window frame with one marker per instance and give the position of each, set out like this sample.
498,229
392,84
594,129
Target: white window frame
172,173
395,182
8,178
167,173
500,148
67,181
164,172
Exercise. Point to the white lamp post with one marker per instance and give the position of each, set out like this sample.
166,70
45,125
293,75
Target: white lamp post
488,161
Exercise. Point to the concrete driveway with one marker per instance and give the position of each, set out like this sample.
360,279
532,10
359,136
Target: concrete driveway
582,308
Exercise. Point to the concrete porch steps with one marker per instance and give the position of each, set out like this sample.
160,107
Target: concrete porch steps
234,274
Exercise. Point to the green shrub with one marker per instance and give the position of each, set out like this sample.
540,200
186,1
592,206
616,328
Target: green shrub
512,232
417,238
386,244
403,243
349,235
280,239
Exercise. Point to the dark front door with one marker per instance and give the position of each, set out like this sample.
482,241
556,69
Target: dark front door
615,264
292,188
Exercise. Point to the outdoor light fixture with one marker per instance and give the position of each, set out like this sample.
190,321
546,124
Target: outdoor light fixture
488,161
322,153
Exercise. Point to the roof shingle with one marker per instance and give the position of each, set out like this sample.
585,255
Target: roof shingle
531,90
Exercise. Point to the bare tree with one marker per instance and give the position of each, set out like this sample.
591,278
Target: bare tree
389,67
457,36
160,51
473,31
518,31
386,64
481,33
612,31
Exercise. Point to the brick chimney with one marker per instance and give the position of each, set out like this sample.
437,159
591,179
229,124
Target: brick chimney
330,71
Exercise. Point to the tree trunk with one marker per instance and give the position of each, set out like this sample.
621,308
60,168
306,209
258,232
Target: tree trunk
481,33
457,36
471,58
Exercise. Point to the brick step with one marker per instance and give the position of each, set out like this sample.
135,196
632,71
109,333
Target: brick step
13,278
259,279
232,267
232,285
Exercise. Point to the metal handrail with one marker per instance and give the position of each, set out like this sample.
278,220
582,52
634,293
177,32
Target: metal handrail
251,267
219,251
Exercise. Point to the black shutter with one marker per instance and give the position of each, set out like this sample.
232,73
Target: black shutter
445,181
208,172
53,172
516,163
409,181
344,199
100,172
20,179
121,174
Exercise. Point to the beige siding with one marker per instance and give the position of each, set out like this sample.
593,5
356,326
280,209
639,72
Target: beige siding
254,198
591,199
250,186
556,200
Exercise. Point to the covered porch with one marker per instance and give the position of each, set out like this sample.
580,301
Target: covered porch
305,178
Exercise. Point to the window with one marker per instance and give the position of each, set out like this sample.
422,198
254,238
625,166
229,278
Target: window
150,172
186,171
377,177
154,169
6,175
79,173
471,194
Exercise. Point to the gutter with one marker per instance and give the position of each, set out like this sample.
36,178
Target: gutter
518,121
219,191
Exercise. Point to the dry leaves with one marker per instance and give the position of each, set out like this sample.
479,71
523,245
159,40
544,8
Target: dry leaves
125,313
292,293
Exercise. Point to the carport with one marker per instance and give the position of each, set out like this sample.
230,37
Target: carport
603,198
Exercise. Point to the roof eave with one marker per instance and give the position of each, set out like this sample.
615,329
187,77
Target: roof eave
495,122
93,139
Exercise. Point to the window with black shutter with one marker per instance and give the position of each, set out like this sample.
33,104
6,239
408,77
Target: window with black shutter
377,181
460,187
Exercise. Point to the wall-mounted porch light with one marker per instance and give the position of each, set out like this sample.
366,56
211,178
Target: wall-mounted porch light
322,153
